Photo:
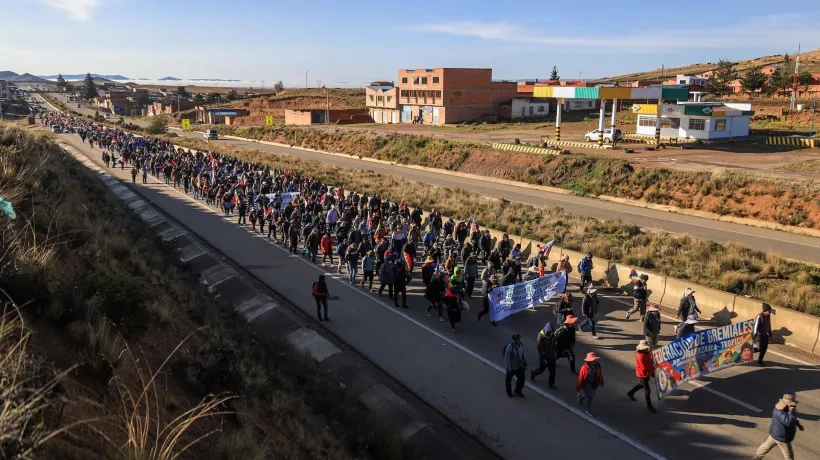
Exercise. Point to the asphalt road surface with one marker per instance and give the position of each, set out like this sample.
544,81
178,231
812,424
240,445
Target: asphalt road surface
725,415
793,246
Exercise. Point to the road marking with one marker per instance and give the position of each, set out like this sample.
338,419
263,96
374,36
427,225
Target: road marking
554,399
782,355
725,396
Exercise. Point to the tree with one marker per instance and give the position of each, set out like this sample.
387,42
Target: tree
753,80
279,86
804,79
97,117
158,126
142,98
213,96
721,77
68,87
89,88
554,74
182,91
60,81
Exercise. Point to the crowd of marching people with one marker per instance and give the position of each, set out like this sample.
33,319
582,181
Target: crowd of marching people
381,245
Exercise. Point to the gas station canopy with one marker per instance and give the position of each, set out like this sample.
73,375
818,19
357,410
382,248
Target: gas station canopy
671,92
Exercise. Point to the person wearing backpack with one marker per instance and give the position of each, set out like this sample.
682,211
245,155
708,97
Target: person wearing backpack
585,270
565,341
321,293
546,354
452,301
640,294
434,292
652,325
590,378
400,281
386,275
564,307
516,365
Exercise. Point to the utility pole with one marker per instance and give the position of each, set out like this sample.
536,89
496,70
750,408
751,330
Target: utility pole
178,96
306,75
327,111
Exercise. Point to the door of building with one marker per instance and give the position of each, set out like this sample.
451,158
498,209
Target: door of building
523,112
532,110
395,116
435,115
406,113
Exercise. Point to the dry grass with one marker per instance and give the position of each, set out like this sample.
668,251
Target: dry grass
105,291
811,166
728,267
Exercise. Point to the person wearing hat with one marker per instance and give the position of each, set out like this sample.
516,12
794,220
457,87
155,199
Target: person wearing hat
470,275
532,273
645,370
565,341
763,331
652,325
368,269
428,268
516,364
590,378
452,301
585,267
321,293
639,294
486,274
564,265
434,292
688,306
783,428
589,307
485,297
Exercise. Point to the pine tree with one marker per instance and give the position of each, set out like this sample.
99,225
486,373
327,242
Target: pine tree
721,77
158,126
753,81
89,88
554,74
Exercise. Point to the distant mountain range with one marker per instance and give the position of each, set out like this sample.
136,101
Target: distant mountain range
24,78
82,76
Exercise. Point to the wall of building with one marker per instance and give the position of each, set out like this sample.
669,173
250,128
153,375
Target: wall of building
526,108
729,127
298,117
580,104
385,115
387,98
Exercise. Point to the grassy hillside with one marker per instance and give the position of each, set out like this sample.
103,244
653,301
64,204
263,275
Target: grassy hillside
111,342
809,61
728,267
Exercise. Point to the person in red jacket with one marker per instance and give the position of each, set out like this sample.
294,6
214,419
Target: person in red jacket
644,369
327,248
590,377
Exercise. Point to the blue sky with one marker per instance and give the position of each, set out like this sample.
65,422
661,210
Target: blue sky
348,43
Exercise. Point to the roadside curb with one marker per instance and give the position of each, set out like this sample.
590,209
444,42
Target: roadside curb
269,320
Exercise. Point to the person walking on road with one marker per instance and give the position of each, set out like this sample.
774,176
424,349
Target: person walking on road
652,325
763,331
645,370
688,307
134,175
368,267
321,293
546,354
589,307
590,378
516,364
386,276
688,327
585,267
639,294
485,298
783,428
565,341
327,248
452,301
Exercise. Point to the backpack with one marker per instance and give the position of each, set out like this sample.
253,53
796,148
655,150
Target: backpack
559,334
504,350
581,265
592,375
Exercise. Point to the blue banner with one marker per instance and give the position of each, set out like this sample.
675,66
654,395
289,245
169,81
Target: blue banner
702,353
509,300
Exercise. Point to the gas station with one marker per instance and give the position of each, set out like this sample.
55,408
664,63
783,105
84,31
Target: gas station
652,93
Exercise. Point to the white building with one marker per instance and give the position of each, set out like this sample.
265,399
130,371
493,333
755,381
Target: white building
580,104
691,80
705,121
530,107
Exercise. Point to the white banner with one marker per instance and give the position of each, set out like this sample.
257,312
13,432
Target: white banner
509,300
286,197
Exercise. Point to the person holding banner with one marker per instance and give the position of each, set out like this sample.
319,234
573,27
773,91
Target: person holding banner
644,369
763,331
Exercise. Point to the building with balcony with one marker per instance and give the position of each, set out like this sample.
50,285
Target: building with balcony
451,95
382,101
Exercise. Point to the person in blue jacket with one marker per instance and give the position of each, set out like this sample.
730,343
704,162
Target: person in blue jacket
783,428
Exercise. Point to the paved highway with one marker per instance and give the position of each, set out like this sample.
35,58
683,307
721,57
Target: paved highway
726,415
789,245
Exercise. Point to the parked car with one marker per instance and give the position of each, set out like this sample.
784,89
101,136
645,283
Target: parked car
211,134
609,136
56,129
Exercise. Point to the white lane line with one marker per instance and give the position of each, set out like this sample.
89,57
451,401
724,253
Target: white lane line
472,182
725,396
782,355
555,399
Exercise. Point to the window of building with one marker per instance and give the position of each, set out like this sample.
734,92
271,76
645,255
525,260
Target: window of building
389,98
380,98
541,109
591,104
415,80
371,98
456,95
438,94
648,122
405,93
404,80
423,80
435,80
697,124
720,124
577,104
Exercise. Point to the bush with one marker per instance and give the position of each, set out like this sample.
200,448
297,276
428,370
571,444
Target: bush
159,125
123,301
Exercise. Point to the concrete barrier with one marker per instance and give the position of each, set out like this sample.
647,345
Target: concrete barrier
618,277
714,304
793,328
599,272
